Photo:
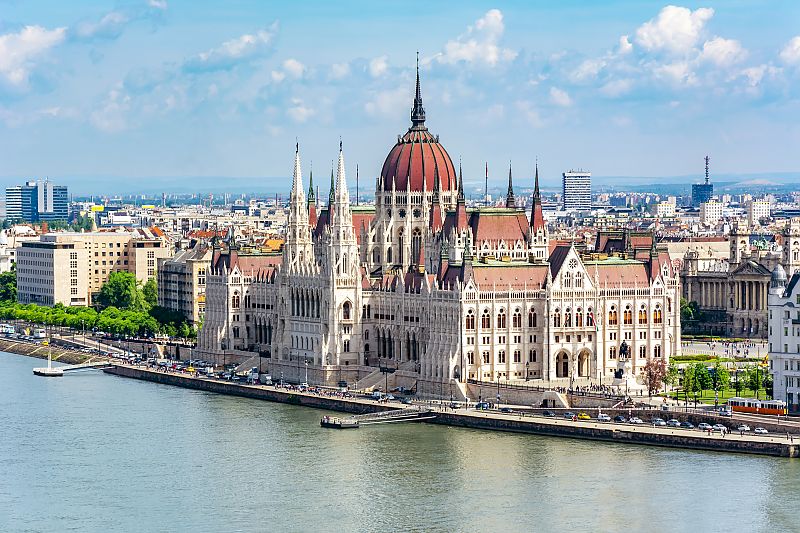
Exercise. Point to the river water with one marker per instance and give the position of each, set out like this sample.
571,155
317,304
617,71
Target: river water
93,452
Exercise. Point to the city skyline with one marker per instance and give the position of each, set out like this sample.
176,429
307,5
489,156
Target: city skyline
160,88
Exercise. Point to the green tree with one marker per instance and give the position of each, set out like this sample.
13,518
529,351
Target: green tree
755,378
702,377
8,286
122,291
673,376
689,310
721,377
150,292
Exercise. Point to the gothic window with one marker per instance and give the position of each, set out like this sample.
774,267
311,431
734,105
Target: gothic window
517,319
501,356
657,351
517,356
657,315
567,318
557,318
346,311
567,280
642,351
471,358
589,317
612,352
531,318
628,315
346,346
612,316
643,315
501,319
235,301
486,358
578,318
578,280
470,322
532,356
416,244
485,319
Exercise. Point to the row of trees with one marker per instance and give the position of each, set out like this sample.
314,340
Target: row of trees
698,378
124,307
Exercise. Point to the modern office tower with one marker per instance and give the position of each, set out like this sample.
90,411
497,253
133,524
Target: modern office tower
577,190
37,201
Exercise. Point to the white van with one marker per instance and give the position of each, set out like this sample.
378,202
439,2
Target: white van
39,333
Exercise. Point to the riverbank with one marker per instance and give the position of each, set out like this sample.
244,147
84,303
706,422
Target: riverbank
40,351
773,445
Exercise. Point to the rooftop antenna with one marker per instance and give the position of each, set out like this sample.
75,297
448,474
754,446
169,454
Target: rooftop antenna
356,183
707,160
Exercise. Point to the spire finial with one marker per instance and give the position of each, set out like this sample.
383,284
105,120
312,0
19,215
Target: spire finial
510,201
340,143
460,182
417,111
536,181
296,145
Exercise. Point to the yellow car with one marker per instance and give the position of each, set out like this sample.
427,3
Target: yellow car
583,416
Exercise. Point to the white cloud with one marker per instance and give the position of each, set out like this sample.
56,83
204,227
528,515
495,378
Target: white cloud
299,112
560,97
755,75
791,52
378,66
675,29
589,69
625,46
340,70
529,113
112,115
387,103
234,51
158,4
480,43
616,88
294,68
678,73
277,76
723,52
111,25
18,51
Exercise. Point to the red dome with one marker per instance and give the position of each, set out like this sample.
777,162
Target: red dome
417,158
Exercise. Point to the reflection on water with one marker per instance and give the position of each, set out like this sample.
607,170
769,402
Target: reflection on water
92,452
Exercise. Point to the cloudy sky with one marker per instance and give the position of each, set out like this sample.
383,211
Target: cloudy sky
191,88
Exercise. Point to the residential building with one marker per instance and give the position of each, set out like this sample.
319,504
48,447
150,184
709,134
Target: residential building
710,213
577,190
757,210
666,209
182,282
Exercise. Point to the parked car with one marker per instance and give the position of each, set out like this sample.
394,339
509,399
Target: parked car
549,414
719,427
602,417
743,427
673,423
760,431
620,418
569,415
687,425
482,405
635,420
584,416
506,410
658,422
702,426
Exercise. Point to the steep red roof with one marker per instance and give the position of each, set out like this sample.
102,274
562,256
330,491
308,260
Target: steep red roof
502,276
499,225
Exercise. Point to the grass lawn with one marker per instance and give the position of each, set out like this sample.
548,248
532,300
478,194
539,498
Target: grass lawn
708,395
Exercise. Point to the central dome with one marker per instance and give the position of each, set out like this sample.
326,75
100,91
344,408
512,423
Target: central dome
418,158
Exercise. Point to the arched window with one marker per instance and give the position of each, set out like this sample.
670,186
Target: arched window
642,351
557,318
567,318
612,316
628,316
643,315
532,356
578,280
516,320
501,319
531,318
416,244
578,318
517,356
501,356
471,358
346,312
567,280
485,358
656,351
657,316
486,320
470,322
612,352
589,317
235,301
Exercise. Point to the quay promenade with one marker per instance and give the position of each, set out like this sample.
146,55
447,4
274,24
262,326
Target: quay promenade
780,445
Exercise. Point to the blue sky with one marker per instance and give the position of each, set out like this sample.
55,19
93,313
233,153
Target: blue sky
164,88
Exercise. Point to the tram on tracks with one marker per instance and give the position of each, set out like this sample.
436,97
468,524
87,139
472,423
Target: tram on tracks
759,407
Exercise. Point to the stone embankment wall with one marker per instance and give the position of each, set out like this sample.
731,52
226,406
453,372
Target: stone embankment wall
59,354
479,420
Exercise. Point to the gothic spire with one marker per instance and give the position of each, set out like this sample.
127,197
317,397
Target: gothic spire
417,111
537,217
332,192
297,179
311,198
536,195
460,184
510,201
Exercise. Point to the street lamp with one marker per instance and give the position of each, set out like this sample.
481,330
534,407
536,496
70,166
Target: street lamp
306,381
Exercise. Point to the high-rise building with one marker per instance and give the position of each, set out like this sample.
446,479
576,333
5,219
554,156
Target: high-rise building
37,201
702,192
577,189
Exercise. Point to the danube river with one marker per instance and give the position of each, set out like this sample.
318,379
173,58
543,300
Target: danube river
92,452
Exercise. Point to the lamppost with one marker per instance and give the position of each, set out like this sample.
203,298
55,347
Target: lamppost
526,370
306,380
